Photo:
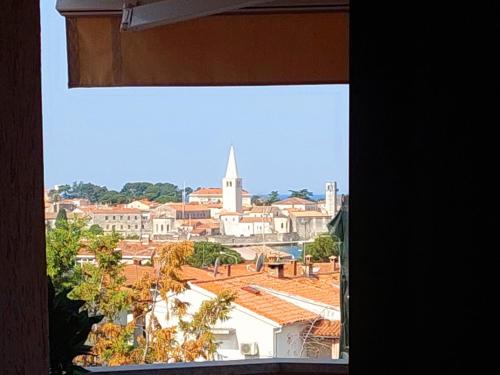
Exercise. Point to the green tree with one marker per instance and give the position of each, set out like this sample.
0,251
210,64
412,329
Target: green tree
322,248
114,197
54,195
88,190
135,190
205,253
257,200
102,286
112,342
272,197
95,229
61,218
62,245
303,193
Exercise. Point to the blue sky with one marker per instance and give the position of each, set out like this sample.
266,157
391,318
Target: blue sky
285,137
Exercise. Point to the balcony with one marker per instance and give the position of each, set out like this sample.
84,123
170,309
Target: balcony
254,367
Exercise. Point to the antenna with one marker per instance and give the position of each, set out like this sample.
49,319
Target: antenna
216,266
259,262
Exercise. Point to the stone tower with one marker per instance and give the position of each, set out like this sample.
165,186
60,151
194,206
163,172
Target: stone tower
231,186
331,198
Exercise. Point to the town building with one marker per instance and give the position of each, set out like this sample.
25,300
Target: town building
279,311
331,198
295,203
232,186
309,224
180,211
214,195
126,221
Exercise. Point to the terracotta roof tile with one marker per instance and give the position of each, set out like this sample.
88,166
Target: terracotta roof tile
326,328
113,210
213,191
263,303
134,273
294,200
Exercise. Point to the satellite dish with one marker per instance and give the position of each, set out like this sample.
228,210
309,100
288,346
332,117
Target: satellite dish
216,266
259,262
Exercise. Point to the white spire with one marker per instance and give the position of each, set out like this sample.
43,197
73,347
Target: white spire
231,170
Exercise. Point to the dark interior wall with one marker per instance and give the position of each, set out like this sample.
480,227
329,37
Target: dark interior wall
424,101
23,285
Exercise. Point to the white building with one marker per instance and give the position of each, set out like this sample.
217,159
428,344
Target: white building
214,195
295,203
234,224
331,198
273,316
232,186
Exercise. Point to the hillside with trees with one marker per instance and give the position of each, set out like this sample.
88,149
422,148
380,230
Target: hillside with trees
161,192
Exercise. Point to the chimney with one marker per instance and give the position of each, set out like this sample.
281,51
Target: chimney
276,269
308,259
308,267
294,267
228,270
333,261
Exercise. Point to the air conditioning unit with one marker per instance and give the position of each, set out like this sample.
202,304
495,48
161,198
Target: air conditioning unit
249,348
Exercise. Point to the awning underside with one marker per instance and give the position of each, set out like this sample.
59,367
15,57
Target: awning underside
263,49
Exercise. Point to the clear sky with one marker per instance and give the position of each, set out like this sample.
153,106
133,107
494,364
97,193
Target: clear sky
288,137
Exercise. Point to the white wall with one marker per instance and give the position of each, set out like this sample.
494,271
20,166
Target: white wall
167,223
289,341
248,327
229,225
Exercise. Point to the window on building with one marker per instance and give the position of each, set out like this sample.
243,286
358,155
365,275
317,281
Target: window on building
114,218
128,218
105,218
121,217
162,227
135,217
136,226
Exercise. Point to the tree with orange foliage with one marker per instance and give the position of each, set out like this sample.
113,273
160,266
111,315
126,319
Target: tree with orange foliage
139,342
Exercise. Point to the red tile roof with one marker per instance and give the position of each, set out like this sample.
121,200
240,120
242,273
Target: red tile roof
113,210
190,207
263,303
293,201
326,328
213,191
134,273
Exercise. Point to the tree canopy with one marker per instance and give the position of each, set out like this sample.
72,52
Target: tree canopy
303,193
161,192
62,245
322,248
205,253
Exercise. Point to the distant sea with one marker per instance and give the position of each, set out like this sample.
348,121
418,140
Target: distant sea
315,197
